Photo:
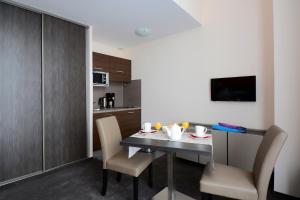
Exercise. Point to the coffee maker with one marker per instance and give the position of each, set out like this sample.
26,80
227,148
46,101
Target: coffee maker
102,102
110,99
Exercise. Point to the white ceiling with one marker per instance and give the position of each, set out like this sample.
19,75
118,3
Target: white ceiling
114,21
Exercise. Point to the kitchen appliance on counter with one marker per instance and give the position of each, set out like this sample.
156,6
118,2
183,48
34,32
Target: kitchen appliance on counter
100,78
102,102
110,98
95,107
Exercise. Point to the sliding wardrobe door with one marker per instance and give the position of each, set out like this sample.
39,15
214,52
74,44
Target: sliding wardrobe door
64,92
20,92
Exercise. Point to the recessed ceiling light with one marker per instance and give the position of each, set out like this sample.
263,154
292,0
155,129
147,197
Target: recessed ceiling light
143,32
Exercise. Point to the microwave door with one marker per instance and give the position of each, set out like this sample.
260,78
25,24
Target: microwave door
95,78
100,79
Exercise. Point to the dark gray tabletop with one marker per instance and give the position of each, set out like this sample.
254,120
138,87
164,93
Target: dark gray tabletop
167,146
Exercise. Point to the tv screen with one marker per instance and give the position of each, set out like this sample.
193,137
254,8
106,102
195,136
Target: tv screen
234,89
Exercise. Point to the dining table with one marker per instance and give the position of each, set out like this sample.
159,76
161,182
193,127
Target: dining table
159,141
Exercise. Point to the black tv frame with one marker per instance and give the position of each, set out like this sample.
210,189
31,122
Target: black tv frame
251,97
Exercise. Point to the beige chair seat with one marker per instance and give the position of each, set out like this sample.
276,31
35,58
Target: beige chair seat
133,166
237,183
228,181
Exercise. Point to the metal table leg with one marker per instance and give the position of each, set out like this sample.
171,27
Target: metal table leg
170,193
171,184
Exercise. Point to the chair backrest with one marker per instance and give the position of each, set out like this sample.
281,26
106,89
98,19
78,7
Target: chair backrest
110,136
266,157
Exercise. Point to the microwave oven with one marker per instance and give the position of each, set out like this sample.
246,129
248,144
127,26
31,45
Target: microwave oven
100,78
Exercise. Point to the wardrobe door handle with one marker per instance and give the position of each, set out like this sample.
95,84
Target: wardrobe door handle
120,71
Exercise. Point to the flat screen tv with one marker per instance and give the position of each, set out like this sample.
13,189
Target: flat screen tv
233,89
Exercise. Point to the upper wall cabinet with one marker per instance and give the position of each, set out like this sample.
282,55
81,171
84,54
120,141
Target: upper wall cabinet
101,62
119,68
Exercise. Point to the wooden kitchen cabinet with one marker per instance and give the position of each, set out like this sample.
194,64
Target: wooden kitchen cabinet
129,123
101,62
119,68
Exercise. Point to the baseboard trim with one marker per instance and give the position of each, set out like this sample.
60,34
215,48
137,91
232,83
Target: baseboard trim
65,165
38,173
20,178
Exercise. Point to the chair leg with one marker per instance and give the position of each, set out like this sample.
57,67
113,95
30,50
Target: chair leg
119,177
150,177
206,196
135,188
210,196
104,182
203,196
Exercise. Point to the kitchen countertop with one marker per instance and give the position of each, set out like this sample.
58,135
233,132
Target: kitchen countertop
116,109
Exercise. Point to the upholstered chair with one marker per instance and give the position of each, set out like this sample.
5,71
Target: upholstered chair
237,183
115,158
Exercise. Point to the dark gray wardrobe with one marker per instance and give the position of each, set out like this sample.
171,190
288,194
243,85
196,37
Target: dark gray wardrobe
42,92
64,92
20,92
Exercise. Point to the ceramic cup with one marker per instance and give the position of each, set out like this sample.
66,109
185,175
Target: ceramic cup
200,131
147,127
164,129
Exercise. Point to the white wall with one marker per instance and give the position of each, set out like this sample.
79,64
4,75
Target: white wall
235,40
109,50
193,7
287,93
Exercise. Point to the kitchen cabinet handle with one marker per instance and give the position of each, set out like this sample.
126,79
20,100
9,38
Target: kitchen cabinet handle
130,112
120,71
98,68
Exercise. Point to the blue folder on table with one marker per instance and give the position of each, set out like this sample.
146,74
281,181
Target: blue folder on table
227,129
